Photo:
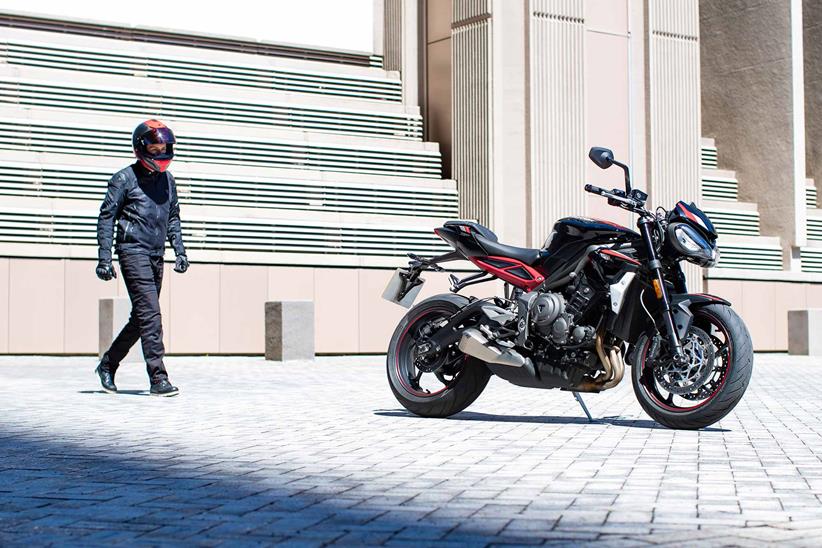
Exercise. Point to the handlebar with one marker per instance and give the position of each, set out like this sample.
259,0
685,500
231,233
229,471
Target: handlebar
615,198
594,189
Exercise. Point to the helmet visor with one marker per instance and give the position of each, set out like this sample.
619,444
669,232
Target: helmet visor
158,136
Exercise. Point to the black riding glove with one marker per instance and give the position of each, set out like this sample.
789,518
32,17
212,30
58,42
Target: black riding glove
105,270
182,264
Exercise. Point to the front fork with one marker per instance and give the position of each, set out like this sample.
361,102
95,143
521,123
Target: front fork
658,281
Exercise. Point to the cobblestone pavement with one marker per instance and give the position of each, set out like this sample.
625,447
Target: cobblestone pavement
310,454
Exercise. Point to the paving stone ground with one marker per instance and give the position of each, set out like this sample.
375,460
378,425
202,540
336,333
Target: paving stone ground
311,454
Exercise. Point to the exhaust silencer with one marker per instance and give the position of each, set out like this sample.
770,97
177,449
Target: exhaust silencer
476,345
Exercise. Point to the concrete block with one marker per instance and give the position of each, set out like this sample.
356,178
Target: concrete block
114,313
289,330
805,332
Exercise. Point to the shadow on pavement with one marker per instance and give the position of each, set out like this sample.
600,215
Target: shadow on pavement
124,392
103,492
543,419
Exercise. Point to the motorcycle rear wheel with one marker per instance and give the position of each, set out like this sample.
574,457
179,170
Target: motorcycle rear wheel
439,387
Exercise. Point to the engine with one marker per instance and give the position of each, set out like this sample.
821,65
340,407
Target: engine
556,318
551,325
549,330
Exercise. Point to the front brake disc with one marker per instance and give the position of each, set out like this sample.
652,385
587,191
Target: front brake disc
694,373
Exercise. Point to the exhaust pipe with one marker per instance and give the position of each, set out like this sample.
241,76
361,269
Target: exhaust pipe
476,345
613,365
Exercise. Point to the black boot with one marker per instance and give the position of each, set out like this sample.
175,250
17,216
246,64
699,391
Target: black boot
106,375
163,388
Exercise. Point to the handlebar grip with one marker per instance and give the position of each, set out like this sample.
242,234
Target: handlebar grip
594,189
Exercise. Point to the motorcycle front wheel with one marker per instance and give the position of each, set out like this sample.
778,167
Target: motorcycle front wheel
437,386
708,386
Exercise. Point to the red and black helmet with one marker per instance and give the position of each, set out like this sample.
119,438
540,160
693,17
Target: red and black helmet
153,132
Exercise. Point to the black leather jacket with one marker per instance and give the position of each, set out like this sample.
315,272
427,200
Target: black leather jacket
144,206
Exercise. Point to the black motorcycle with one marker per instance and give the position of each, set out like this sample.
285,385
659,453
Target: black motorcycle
595,296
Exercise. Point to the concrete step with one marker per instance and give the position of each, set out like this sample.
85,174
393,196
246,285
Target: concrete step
58,132
266,193
814,224
729,206
203,213
743,221
42,228
211,90
718,184
811,256
750,252
77,53
144,98
709,156
811,194
107,164
753,241
719,173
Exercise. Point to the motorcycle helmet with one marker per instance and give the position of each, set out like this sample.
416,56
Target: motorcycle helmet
153,132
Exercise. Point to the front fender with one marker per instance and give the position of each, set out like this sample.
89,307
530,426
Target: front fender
682,305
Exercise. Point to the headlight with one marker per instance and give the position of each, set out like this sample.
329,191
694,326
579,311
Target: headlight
714,259
692,245
686,240
549,239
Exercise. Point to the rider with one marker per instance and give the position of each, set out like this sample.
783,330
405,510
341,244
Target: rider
142,202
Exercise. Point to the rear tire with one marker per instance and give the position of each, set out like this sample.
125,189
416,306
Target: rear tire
723,388
469,375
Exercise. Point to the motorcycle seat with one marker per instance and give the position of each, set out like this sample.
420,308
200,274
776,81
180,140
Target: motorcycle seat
523,254
489,242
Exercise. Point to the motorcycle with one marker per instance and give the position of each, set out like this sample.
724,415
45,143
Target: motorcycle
595,296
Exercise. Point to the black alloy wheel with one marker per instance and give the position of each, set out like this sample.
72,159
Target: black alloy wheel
709,384
432,385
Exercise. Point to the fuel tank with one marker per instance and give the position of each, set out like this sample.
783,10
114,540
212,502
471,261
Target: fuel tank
570,240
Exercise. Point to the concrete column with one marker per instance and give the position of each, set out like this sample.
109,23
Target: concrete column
491,115
379,27
402,44
524,79
113,316
555,114
509,110
812,42
753,105
289,330
673,107
636,102
435,95
672,95
472,146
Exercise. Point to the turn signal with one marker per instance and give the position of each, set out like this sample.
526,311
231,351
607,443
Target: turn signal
658,289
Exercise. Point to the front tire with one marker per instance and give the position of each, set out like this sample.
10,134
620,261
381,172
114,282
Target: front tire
693,397
457,379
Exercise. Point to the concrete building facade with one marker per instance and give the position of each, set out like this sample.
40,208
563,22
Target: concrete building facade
696,101
308,173
302,175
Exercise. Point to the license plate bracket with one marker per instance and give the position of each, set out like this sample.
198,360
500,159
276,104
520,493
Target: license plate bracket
397,290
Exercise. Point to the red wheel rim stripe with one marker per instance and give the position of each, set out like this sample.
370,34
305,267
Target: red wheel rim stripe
400,376
711,397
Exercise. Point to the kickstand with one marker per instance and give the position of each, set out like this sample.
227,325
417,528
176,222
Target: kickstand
582,404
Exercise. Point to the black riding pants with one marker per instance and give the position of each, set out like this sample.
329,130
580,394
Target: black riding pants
143,276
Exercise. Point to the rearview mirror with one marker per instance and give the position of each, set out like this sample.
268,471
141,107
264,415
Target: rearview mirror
602,157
